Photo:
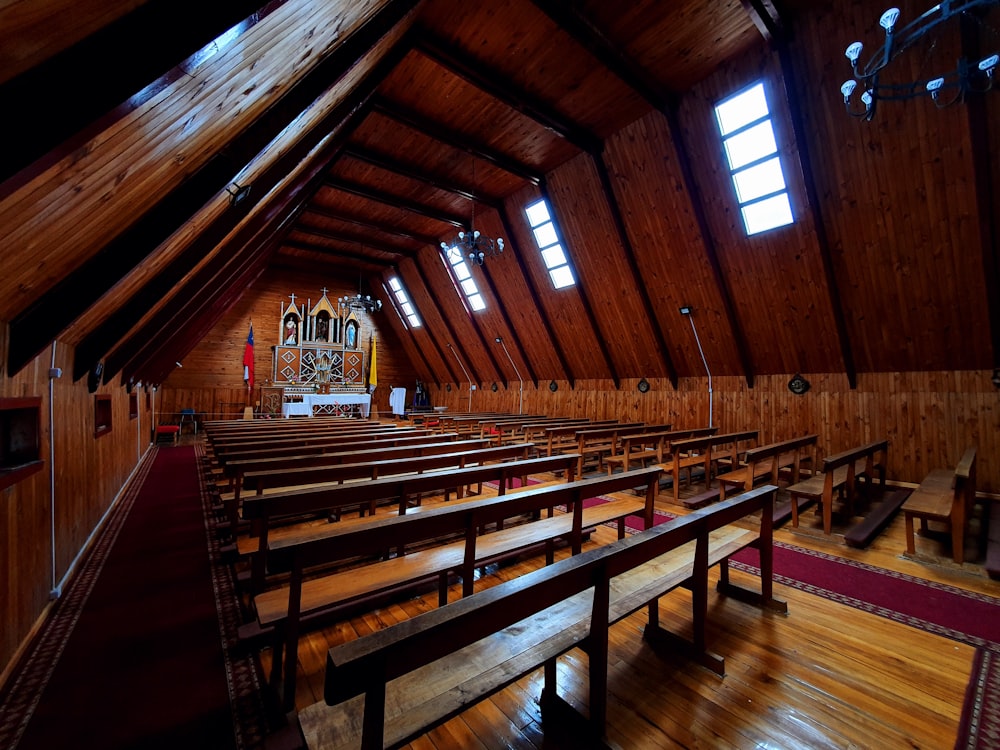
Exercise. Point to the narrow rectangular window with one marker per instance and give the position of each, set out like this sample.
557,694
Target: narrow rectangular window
751,149
543,229
401,302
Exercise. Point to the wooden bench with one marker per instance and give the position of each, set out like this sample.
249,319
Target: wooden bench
287,608
330,500
706,452
654,445
764,464
946,496
991,516
602,441
562,438
839,474
387,688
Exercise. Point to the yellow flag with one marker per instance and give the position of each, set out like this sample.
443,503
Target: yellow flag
372,374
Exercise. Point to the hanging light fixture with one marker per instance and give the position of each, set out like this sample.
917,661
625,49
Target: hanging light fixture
473,244
971,75
359,302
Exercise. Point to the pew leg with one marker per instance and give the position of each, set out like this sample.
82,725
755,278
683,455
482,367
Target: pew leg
911,546
373,728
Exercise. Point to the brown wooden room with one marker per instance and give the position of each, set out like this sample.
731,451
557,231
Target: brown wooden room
500,374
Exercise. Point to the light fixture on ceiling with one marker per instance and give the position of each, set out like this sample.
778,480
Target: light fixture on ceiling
360,302
474,245
237,193
971,75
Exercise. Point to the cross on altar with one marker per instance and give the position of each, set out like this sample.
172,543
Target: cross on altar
292,295
324,291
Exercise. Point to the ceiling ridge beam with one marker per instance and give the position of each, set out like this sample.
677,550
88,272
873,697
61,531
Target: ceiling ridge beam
381,196
428,44
416,121
45,318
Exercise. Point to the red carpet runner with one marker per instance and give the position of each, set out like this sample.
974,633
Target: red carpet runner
132,656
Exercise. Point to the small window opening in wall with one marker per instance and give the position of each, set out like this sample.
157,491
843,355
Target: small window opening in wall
752,152
102,414
20,439
543,229
401,301
133,405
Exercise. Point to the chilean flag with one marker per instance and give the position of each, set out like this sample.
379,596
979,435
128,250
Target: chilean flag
248,359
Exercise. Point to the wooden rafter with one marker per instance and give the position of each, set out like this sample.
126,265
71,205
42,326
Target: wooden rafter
380,196
33,328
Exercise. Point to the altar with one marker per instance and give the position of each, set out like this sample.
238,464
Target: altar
327,403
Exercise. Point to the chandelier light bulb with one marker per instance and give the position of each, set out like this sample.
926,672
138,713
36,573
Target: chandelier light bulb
888,20
847,89
500,243
854,52
475,234
461,235
934,85
988,64
867,99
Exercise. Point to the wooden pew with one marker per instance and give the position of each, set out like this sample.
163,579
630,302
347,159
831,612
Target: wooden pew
285,608
946,496
562,438
393,685
764,463
603,440
707,452
840,473
264,511
649,445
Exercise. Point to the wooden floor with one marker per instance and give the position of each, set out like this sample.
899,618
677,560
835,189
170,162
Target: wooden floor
824,676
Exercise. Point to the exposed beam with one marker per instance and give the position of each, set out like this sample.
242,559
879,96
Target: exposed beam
349,238
536,302
637,280
93,84
41,322
708,241
357,259
520,101
502,308
406,334
435,340
567,15
421,124
395,167
313,208
380,196
588,308
766,18
792,89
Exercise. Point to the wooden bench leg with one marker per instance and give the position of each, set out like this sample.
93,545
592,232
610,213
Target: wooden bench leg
910,543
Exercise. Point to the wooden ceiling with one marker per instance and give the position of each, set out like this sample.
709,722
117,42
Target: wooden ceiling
367,132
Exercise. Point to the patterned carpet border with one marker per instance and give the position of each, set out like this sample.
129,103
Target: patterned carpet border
33,674
250,725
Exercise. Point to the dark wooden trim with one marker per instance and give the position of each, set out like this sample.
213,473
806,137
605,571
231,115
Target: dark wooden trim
502,308
792,90
380,196
34,327
581,289
89,87
428,44
640,285
421,124
356,259
432,181
31,461
366,224
537,303
698,209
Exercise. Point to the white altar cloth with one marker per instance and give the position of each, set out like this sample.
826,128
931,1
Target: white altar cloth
305,407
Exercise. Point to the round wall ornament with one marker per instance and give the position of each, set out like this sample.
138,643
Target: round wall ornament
553,386
447,387
798,385
494,387
643,386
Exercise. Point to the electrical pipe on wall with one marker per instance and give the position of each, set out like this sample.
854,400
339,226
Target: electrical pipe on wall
471,387
687,311
520,407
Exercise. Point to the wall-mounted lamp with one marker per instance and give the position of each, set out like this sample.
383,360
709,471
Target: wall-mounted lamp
520,407
686,310
237,193
996,377
179,365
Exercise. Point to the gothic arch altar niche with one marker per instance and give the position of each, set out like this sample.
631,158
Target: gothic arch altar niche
319,358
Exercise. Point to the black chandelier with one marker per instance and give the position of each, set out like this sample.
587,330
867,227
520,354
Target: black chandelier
359,302
970,76
474,245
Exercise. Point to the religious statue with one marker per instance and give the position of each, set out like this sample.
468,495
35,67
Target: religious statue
290,332
352,335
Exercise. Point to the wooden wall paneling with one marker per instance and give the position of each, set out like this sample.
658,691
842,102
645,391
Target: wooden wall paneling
659,217
407,336
89,474
788,317
901,211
